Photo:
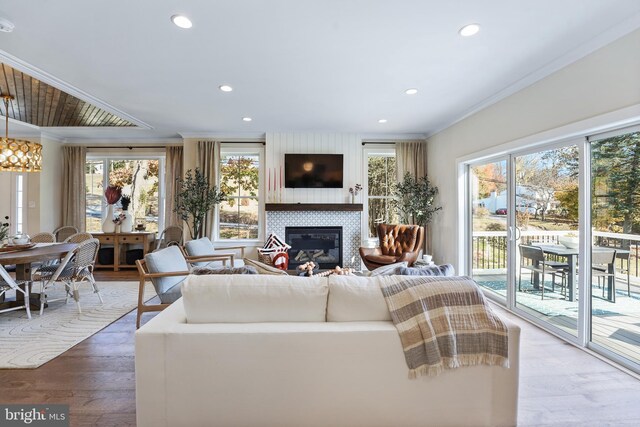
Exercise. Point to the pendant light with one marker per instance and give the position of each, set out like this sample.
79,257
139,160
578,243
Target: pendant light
18,155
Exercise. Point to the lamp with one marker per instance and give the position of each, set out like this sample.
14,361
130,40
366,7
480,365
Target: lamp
18,155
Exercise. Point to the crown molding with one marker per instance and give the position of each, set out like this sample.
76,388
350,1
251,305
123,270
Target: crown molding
603,39
392,137
227,136
45,77
125,142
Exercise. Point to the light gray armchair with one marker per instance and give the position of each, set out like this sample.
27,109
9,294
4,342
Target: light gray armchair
202,253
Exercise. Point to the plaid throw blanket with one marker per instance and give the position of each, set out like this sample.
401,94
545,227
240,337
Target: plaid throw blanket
444,323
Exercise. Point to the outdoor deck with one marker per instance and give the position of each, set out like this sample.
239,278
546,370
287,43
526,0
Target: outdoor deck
614,325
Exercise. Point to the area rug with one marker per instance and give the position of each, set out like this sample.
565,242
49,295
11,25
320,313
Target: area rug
27,344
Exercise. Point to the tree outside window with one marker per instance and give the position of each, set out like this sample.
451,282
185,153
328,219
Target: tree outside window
381,172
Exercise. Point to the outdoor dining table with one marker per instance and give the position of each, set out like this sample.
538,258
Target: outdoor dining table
23,261
571,255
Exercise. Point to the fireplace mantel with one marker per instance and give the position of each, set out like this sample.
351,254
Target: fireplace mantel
300,207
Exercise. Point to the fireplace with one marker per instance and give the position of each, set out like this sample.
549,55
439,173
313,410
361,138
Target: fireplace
322,245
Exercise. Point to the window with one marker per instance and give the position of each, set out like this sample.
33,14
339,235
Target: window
240,180
19,203
381,181
140,178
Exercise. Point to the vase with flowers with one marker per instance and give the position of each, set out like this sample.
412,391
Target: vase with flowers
112,194
127,223
354,191
4,231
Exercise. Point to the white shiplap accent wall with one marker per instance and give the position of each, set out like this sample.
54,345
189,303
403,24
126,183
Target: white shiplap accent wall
350,145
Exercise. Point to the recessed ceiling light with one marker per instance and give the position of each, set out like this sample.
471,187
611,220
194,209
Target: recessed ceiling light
411,91
246,119
181,21
225,88
382,121
469,30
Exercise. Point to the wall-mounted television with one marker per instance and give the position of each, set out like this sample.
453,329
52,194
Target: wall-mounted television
313,170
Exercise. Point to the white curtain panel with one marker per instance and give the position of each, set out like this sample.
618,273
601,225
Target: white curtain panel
173,172
74,161
207,160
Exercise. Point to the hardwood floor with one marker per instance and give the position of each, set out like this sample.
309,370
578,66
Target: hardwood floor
560,385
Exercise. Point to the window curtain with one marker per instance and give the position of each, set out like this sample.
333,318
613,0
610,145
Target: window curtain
173,173
74,197
208,156
411,156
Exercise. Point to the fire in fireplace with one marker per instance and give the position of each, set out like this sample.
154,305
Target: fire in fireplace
322,245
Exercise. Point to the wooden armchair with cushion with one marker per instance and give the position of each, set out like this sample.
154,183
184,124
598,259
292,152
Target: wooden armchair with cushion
398,243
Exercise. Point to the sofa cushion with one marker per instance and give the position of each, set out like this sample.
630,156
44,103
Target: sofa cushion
353,299
264,268
432,270
167,260
254,298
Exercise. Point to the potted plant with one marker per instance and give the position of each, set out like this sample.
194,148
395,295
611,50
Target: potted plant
127,223
194,198
414,199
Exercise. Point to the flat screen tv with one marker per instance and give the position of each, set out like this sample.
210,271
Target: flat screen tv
313,170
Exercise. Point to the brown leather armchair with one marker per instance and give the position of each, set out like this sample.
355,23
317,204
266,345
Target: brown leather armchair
398,243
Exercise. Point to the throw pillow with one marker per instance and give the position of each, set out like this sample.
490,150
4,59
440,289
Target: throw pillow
387,270
435,270
263,268
201,271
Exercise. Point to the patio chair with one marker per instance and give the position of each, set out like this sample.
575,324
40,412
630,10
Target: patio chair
532,258
166,269
63,232
603,267
43,238
172,235
7,283
77,269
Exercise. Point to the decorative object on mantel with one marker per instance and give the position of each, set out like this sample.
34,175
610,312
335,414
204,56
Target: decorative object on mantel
194,198
354,191
4,231
18,155
127,223
112,194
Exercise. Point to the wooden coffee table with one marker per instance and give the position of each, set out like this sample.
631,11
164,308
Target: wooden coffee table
23,260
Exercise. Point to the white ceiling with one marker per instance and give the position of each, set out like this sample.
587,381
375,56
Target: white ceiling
300,65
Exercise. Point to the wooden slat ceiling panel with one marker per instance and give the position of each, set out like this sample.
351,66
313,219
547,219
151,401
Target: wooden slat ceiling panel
43,105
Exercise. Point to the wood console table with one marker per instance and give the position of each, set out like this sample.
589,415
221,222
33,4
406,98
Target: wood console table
120,241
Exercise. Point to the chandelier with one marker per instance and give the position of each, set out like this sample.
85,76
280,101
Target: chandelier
18,155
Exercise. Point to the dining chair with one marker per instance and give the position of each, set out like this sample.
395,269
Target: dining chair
63,232
76,268
170,236
78,237
532,258
603,267
43,238
7,283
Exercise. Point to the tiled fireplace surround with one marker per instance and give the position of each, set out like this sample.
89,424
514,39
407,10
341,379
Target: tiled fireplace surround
350,222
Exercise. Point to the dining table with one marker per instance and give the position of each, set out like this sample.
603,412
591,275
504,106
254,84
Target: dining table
24,260
571,255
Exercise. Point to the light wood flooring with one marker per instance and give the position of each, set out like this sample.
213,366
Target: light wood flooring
560,385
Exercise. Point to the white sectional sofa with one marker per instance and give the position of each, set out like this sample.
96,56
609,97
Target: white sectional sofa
258,350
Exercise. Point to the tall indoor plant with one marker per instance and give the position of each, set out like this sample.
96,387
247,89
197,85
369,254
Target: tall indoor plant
415,200
194,198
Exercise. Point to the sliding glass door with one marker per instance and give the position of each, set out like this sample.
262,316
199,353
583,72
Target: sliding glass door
553,233
615,224
489,198
546,207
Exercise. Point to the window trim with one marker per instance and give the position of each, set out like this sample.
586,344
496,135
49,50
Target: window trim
106,158
249,148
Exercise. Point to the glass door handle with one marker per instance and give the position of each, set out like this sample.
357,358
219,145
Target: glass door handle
518,233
